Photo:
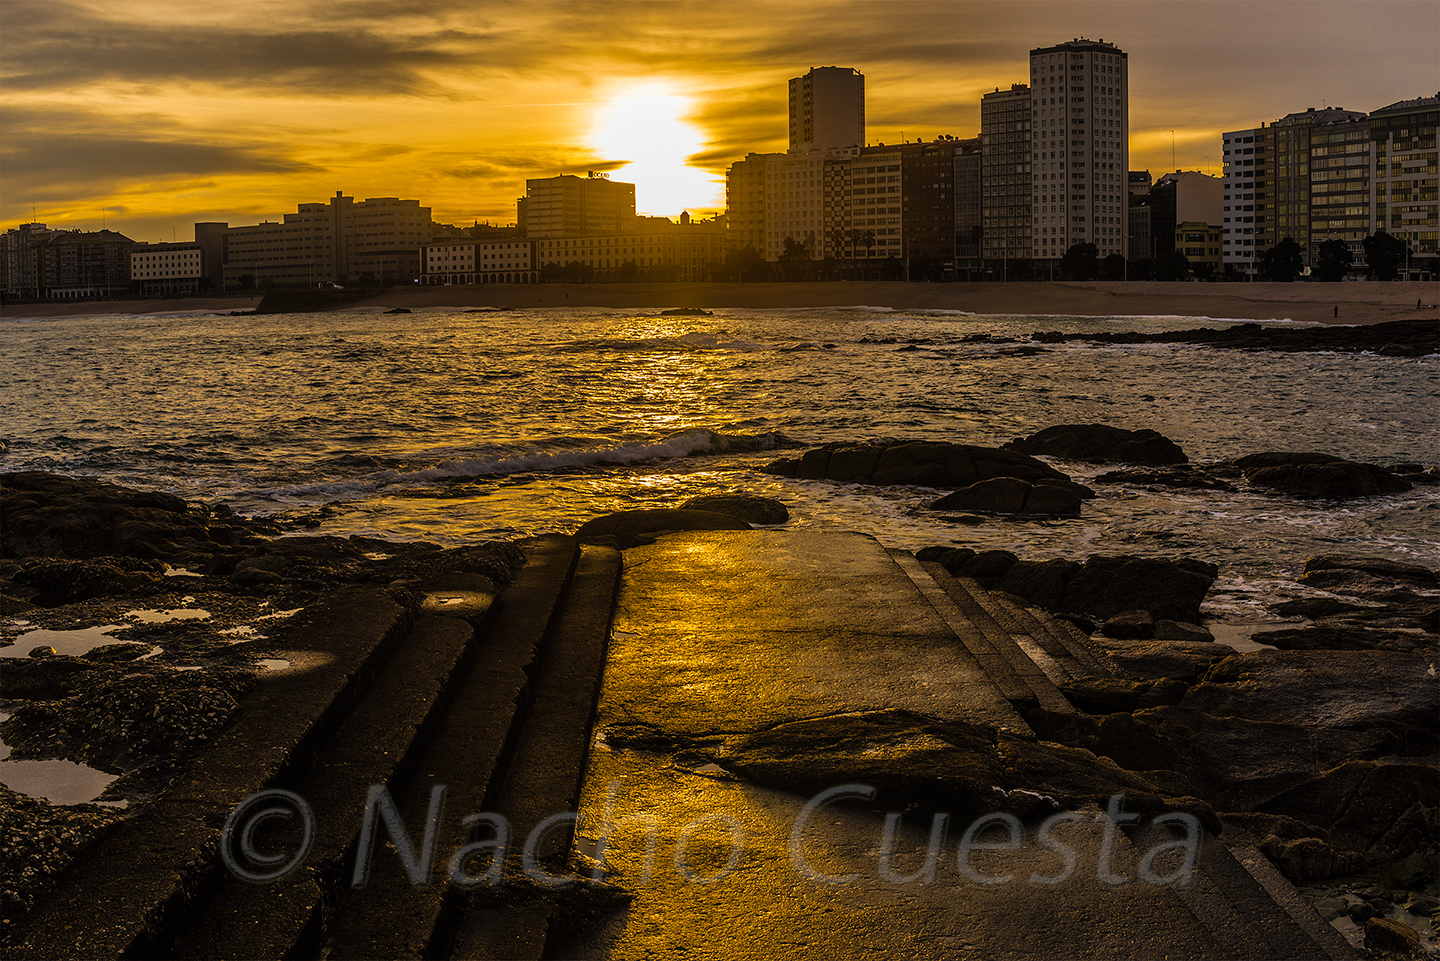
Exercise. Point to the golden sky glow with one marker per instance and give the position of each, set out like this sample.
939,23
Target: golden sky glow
156,115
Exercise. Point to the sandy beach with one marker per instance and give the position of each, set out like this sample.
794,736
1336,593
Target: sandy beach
1358,303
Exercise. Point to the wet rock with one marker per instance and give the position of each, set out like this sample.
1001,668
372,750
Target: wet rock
927,554
1079,490
1400,338
1130,626
1174,477
48,678
1416,574
1040,582
919,464
1101,443
117,653
1382,935
59,581
1166,630
1347,639
1307,859
55,516
1104,695
1010,495
988,564
954,561
41,651
631,528
747,507
1181,660
1318,475
1107,585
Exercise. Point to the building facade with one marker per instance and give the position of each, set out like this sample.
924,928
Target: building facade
660,250
1005,185
1080,153
376,240
568,206
1404,184
1246,185
827,109
969,229
161,270
81,264
1291,167
1185,196
456,261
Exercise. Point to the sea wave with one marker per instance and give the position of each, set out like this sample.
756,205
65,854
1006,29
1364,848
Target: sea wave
695,340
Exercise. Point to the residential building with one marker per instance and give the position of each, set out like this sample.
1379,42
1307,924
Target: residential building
1141,241
745,201
659,248
1006,189
827,109
457,261
927,208
568,205
1290,202
24,276
969,229
795,201
83,264
863,215
1246,186
1341,168
343,241
1185,196
1404,183
1201,243
1080,130
160,270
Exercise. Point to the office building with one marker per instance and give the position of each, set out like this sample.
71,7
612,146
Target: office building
1080,147
827,109
569,205
160,270
1005,185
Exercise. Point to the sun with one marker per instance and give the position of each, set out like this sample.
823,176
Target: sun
646,126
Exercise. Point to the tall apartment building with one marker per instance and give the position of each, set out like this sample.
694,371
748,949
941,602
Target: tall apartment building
969,229
1341,167
1247,185
377,239
745,201
594,204
927,207
1080,149
1291,167
1005,186
827,109
1404,181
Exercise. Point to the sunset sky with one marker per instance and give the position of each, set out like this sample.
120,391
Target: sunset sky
157,115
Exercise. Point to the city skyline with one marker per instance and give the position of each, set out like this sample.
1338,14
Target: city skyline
149,117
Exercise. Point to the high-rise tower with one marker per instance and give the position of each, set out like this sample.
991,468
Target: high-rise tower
827,109
1080,147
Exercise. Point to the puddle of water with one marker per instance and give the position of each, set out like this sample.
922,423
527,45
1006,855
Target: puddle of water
274,664
1241,637
242,633
76,643
165,617
180,572
59,782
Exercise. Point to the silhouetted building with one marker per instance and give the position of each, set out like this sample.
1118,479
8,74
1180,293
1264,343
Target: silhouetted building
85,264
827,109
1005,185
745,202
1292,171
558,206
24,246
927,208
969,229
1181,197
159,270
1080,155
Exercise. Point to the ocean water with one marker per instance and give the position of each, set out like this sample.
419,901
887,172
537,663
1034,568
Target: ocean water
458,425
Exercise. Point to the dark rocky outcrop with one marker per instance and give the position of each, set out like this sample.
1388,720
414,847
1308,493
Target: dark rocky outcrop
1129,626
1101,443
919,464
1107,585
747,507
75,517
1385,604
1039,582
631,528
1184,478
1318,475
1010,495
1396,338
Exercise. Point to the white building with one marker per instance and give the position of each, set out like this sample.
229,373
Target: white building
479,262
1247,157
1080,147
161,269
827,109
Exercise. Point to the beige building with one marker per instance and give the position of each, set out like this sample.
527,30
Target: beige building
162,269
1080,154
343,241
827,109
479,262
1405,167
1201,243
660,250
568,205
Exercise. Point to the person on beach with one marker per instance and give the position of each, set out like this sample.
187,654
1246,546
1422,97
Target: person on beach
1337,310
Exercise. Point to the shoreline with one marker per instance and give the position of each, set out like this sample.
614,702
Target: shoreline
1358,303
